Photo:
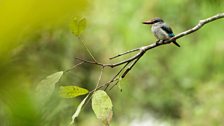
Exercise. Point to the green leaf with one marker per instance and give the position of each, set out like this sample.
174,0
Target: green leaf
78,110
82,25
78,26
102,106
46,86
72,91
75,26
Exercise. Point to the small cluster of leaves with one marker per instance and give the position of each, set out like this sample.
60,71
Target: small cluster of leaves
101,102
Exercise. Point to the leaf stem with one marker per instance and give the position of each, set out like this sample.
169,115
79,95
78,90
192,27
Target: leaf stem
87,49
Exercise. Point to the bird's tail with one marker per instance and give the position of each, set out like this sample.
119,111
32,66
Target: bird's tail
174,42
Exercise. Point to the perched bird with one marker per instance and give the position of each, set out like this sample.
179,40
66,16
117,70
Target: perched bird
161,30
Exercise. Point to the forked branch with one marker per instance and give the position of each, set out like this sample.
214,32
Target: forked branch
142,50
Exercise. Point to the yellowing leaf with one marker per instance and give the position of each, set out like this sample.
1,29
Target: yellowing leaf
102,106
72,91
78,26
46,87
78,110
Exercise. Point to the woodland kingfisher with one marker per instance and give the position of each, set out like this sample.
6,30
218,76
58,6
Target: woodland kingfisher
161,30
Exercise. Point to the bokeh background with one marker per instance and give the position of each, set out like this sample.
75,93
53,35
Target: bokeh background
169,86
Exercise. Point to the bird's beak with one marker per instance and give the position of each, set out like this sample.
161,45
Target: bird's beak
148,22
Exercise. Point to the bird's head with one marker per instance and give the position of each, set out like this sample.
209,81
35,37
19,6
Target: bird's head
154,20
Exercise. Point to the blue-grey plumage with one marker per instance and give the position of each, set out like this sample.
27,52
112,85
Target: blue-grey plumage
161,30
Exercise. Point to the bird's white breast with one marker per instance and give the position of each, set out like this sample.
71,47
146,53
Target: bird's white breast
158,32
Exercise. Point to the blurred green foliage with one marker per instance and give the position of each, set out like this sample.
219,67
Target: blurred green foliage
179,86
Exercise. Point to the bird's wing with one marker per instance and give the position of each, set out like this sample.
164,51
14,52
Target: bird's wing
168,30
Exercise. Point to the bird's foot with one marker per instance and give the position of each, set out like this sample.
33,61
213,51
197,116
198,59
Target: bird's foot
158,42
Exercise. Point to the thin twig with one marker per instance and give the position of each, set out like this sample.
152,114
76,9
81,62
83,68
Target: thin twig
121,70
98,82
111,65
124,53
74,67
104,85
87,49
112,80
96,88
127,70
114,85
90,62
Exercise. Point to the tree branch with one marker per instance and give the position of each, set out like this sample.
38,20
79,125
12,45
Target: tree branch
144,49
